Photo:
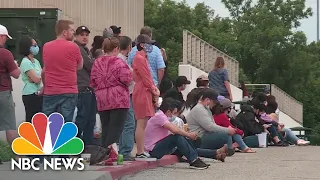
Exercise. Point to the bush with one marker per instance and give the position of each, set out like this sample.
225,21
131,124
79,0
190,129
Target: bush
315,135
5,151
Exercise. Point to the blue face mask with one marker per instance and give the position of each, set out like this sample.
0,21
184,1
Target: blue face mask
148,48
34,50
172,118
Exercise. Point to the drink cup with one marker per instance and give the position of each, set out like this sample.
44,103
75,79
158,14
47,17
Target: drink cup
86,160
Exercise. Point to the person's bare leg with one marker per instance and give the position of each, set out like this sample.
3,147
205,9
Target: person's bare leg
141,125
11,135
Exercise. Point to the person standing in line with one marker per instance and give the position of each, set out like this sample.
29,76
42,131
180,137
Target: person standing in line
143,92
8,68
219,79
87,105
154,57
96,45
31,77
61,60
110,78
116,31
126,141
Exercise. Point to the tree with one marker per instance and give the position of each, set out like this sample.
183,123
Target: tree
262,36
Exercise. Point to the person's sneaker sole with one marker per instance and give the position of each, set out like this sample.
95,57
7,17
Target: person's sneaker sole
198,168
146,159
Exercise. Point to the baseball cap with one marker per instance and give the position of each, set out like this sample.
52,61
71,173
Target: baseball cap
115,29
142,38
4,31
107,32
81,29
182,80
203,78
225,103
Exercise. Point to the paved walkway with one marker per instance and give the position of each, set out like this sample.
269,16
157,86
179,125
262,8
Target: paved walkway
276,163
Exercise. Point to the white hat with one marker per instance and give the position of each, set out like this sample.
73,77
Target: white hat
4,31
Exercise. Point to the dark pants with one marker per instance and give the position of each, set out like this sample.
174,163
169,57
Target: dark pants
168,144
112,122
32,105
65,104
86,116
209,143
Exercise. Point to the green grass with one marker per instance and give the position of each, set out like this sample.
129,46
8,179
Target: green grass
5,151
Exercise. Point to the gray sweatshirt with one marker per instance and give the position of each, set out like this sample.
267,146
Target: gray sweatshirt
200,120
83,75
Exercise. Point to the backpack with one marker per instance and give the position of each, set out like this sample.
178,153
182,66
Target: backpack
246,121
98,153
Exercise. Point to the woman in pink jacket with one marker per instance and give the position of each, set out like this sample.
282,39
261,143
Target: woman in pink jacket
110,78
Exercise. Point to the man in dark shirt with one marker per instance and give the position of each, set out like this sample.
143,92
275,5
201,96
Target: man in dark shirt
8,69
86,115
175,92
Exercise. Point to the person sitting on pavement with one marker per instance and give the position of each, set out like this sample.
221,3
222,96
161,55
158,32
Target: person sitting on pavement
175,92
159,143
199,119
202,82
221,118
273,112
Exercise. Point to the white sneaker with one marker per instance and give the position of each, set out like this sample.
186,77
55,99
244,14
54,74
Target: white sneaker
302,142
144,157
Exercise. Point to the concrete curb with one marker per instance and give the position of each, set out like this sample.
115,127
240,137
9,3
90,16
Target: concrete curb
137,166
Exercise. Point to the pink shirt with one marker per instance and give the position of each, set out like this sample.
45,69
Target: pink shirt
60,60
110,78
155,131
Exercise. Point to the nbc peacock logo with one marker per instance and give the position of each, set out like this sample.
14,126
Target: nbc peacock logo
47,136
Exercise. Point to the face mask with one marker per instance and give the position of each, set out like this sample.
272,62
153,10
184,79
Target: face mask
34,50
172,118
148,48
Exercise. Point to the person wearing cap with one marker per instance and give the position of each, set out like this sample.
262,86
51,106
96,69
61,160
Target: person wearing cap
175,92
8,69
202,81
61,61
107,32
144,91
200,120
220,117
116,31
87,105
154,56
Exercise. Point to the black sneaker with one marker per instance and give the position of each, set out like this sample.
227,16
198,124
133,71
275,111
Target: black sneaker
230,152
198,164
282,143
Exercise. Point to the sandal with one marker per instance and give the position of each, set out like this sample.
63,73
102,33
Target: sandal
221,157
222,150
248,150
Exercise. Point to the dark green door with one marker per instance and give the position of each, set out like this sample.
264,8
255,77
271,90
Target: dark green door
35,23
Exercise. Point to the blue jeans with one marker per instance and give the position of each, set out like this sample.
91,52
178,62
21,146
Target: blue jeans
290,136
64,104
209,143
126,141
238,139
86,116
168,144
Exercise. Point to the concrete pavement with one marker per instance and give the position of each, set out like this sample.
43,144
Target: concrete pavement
276,163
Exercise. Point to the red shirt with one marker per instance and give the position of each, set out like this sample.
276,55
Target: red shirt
7,65
223,120
60,60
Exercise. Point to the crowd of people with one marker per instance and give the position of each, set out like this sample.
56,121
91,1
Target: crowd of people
123,81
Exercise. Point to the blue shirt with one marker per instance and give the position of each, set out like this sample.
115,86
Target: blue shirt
25,66
216,80
155,59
